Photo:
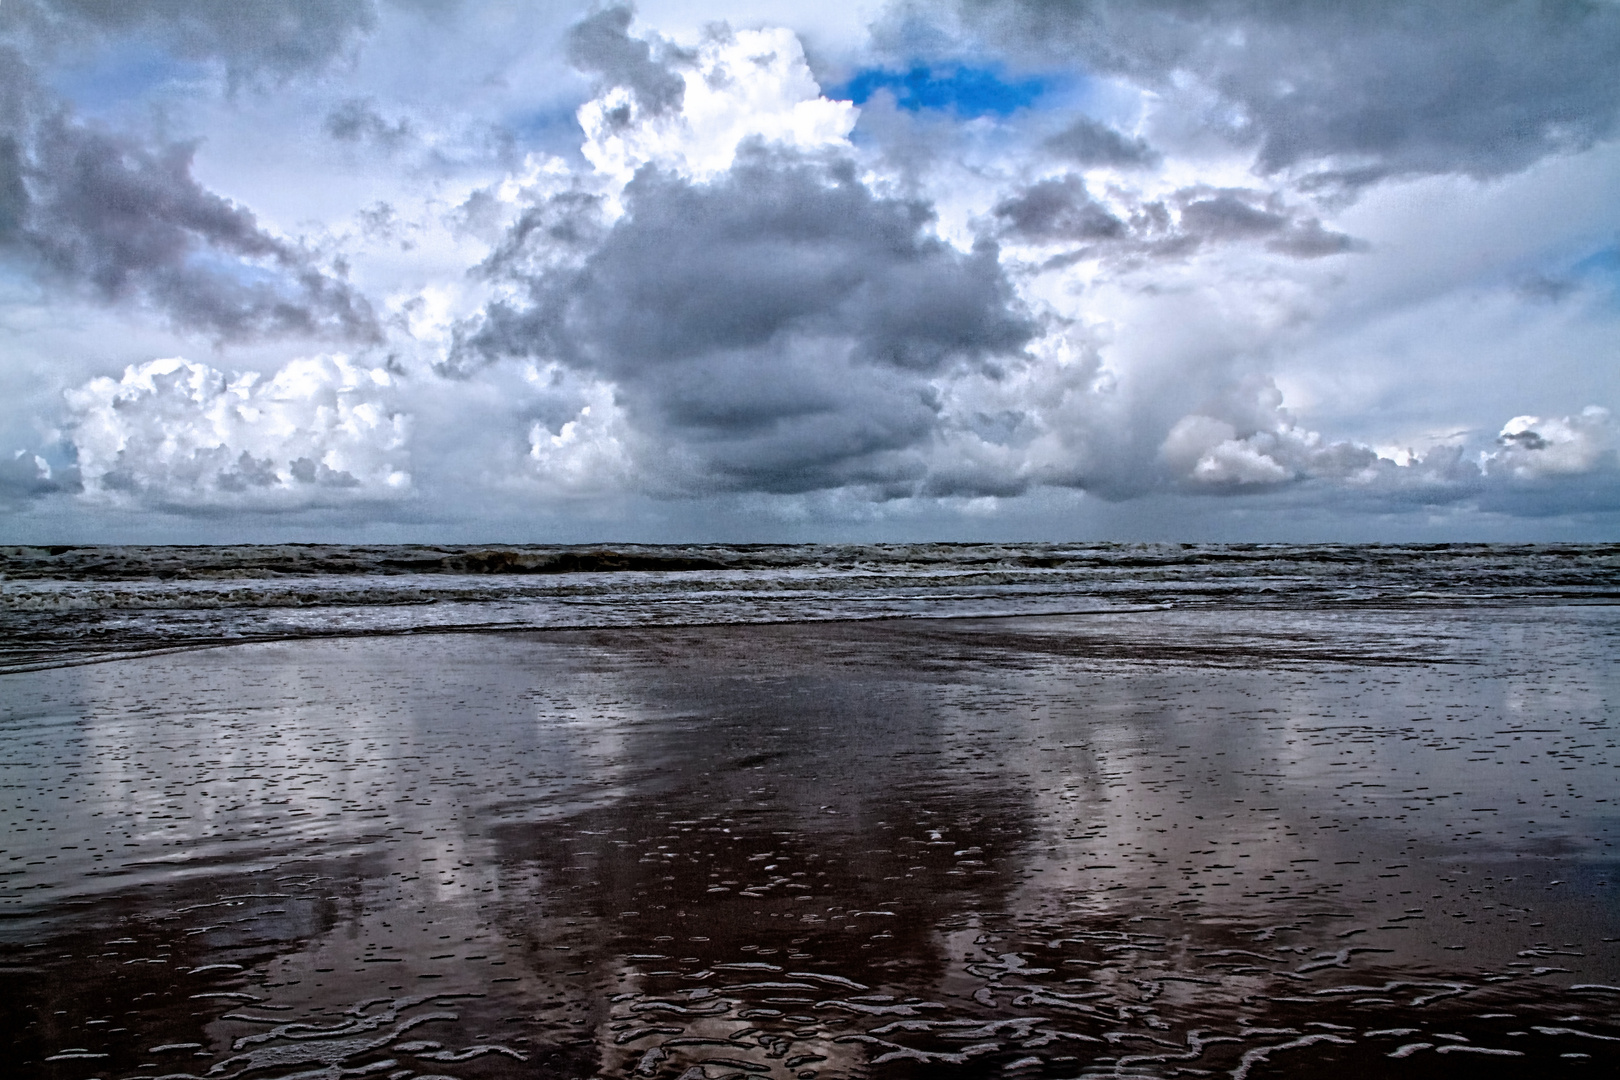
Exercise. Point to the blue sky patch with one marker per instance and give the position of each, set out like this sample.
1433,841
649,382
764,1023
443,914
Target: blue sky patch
967,91
1602,270
1604,261
110,79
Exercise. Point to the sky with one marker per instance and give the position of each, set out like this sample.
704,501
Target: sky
464,271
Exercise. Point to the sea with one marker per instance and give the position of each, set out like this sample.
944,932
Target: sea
69,605
816,812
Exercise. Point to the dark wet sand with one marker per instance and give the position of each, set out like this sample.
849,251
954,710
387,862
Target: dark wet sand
1361,843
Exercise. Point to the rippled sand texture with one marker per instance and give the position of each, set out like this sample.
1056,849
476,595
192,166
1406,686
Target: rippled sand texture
1367,843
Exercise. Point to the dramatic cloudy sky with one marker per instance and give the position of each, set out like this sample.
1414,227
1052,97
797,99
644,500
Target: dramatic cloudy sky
713,269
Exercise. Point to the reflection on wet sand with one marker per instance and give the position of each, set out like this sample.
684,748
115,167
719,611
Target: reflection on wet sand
1144,845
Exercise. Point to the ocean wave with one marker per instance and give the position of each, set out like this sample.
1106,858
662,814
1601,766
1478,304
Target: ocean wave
157,562
66,604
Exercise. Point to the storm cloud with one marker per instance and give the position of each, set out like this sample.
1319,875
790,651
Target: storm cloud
129,222
277,38
1356,92
602,45
121,216
780,323
1087,142
1060,210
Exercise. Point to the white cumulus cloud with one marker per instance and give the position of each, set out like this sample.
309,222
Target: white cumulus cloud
739,85
587,452
172,432
1254,440
1533,447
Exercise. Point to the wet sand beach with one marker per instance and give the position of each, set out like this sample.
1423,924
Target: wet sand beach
1361,842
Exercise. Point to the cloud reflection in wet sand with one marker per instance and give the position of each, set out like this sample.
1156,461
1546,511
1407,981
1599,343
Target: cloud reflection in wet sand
1142,844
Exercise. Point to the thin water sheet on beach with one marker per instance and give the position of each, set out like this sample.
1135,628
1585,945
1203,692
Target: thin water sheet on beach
1356,841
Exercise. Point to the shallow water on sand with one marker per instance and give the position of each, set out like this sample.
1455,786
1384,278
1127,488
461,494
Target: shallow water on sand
1373,842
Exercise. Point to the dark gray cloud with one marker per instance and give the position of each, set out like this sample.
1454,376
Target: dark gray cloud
777,329
1227,216
127,222
1364,90
1058,209
24,475
358,120
601,44
20,90
1087,142
1307,238
13,193
779,244
557,231
122,219
1235,215
278,38
1061,210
